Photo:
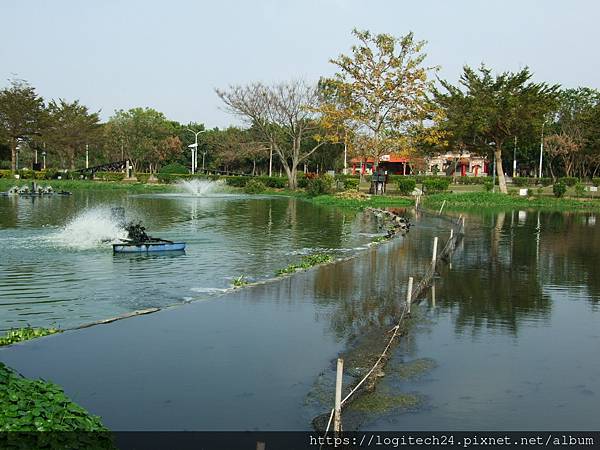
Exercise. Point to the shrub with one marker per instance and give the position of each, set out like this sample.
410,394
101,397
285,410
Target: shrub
436,185
579,189
559,189
406,185
238,182
544,181
351,183
470,180
110,176
274,182
254,186
569,181
173,168
320,185
596,181
488,185
522,181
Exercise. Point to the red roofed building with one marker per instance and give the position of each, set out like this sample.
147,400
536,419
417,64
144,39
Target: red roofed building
465,164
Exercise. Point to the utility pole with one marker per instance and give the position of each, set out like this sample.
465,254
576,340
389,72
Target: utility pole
87,156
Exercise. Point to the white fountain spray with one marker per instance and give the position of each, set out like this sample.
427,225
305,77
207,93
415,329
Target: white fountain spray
91,228
201,188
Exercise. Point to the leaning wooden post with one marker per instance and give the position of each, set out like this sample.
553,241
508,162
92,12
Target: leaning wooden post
260,445
337,419
442,207
434,257
409,294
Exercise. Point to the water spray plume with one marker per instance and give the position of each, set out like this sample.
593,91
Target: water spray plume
91,228
201,188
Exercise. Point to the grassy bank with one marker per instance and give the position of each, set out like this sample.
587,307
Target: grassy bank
79,185
472,201
346,200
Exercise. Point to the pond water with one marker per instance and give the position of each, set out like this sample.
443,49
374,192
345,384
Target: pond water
57,266
513,331
508,341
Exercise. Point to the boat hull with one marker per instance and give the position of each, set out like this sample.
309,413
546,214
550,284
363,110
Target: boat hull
149,247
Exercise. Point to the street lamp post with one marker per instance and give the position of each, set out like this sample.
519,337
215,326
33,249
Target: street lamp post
541,150
515,159
194,148
87,156
44,158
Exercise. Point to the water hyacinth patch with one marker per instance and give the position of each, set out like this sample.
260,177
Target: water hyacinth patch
306,263
24,334
36,405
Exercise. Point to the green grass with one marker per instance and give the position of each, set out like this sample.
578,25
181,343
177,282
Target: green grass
489,200
77,185
36,405
375,201
24,334
306,263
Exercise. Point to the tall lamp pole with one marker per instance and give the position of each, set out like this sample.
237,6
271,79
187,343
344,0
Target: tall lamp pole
87,156
541,150
194,148
515,159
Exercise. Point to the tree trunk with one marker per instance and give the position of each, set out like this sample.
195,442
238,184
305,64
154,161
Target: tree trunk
291,175
13,153
499,170
71,158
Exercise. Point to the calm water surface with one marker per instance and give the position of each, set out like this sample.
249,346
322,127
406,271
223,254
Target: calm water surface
57,268
513,330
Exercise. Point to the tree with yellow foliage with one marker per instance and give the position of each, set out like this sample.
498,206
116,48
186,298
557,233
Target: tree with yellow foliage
379,94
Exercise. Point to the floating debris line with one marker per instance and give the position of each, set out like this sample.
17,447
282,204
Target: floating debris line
413,295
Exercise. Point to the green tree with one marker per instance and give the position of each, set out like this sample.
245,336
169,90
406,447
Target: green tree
379,92
22,114
491,110
144,135
71,127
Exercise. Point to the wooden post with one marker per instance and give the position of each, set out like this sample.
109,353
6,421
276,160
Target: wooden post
434,257
409,294
442,207
337,418
260,445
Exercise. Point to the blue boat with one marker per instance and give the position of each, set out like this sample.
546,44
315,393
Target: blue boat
154,245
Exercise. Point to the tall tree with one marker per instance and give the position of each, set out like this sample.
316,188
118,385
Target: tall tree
142,132
379,92
491,110
71,127
21,114
284,114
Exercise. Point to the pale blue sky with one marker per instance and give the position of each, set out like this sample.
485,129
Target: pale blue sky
170,55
